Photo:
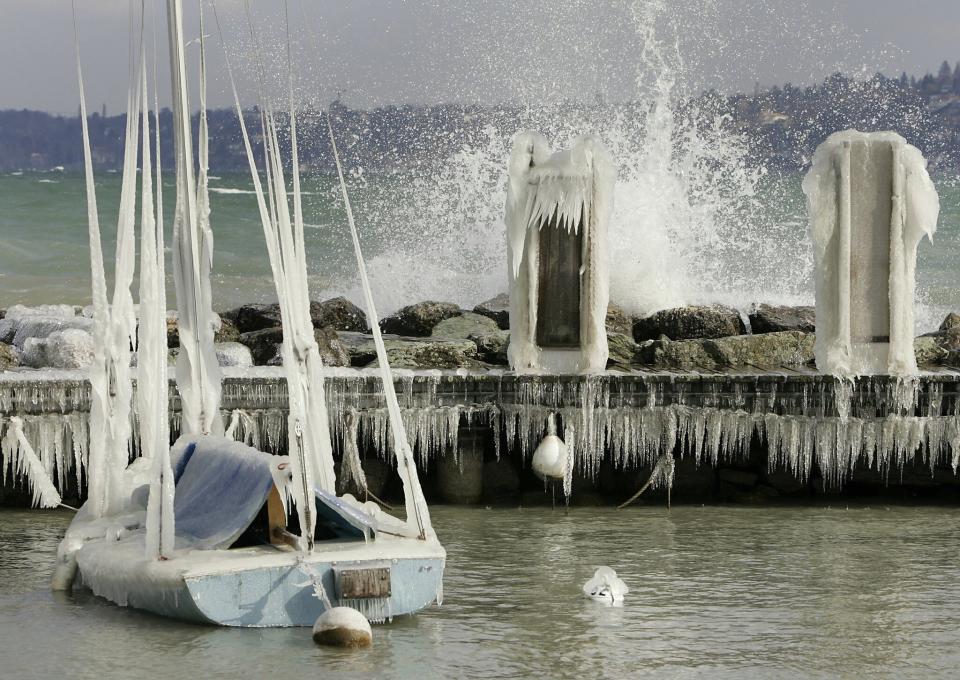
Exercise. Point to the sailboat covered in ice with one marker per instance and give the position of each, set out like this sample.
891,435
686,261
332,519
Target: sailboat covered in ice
212,530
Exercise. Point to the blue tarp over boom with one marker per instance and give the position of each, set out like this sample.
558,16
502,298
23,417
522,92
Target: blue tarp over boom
221,486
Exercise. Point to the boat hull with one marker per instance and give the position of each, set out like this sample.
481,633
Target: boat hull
260,587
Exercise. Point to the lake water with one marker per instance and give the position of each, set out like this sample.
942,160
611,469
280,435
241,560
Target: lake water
716,592
439,236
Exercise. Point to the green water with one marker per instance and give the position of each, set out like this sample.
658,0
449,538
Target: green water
715,592
424,238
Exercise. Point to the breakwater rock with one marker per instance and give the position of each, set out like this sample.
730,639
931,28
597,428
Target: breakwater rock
441,335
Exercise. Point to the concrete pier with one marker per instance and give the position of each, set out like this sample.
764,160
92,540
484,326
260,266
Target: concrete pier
735,435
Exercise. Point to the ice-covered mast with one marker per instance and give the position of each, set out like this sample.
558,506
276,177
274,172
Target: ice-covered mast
308,421
152,383
114,323
198,374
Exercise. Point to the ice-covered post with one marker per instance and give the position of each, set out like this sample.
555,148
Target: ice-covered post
557,209
870,202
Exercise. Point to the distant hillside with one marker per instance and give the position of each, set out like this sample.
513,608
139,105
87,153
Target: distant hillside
783,125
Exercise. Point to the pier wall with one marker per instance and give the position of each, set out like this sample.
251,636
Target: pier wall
787,436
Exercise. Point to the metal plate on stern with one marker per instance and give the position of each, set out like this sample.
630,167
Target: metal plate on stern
363,582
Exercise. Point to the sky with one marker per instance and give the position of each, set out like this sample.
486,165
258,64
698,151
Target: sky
375,52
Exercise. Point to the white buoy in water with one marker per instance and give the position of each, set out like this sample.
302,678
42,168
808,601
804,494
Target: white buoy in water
342,627
550,458
606,587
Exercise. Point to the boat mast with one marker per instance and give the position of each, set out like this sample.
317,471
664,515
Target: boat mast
198,373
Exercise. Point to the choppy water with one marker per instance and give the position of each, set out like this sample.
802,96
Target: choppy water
421,248
715,592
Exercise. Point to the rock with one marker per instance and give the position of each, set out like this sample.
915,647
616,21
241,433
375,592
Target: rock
407,352
224,330
8,357
67,349
420,319
498,309
342,627
492,347
952,322
233,354
766,351
339,314
623,350
929,351
265,346
618,321
16,329
54,311
227,332
688,323
464,326
772,319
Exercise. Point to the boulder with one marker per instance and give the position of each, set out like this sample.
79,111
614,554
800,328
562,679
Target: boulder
464,326
623,350
689,323
618,321
339,314
55,311
254,317
498,309
226,333
233,354
9,357
492,347
17,330
224,329
68,349
766,351
951,322
407,352
265,346
420,319
772,319
940,348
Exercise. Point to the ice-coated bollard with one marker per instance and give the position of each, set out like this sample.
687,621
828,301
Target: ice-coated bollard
342,627
558,206
870,202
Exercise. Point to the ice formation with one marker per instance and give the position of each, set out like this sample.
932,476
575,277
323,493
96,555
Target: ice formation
605,586
308,426
870,203
570,191
114,323
198,374
828,429
152,382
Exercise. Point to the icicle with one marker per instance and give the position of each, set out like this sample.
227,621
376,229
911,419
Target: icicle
25,462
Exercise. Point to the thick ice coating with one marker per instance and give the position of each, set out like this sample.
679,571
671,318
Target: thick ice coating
870,203
571,191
